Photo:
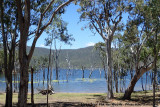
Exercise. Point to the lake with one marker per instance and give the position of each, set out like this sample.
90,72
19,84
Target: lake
73,83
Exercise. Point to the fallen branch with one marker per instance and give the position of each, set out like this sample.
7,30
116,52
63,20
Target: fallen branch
44,91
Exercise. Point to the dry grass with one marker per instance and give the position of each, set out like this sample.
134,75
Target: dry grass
89,99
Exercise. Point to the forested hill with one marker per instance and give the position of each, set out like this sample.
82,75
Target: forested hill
78,57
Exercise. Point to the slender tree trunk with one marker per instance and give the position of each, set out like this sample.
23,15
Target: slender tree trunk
109,69
57,71
146,81
51,74
142,83
155,69
83,71
91,72
32,89
8,63
104,68
47,84
14,81
116,82
152,77
48,72
131,72
100,72
123,84
120,85
154,85
43,75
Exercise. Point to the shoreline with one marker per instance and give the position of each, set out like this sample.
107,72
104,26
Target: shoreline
138,99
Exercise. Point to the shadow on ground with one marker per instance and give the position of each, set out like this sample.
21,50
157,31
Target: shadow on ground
61,104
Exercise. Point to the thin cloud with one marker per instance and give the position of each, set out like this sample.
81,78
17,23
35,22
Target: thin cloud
42,45
90,44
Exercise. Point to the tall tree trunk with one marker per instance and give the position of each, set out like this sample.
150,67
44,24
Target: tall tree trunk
32,89
154,83
146,81
8,64
57,71
48,72
100,72
120,85
109,68
9,90
91,72
56,60
116,82
155,68
83,71
43,75
131,72
142,83
23,89
14,81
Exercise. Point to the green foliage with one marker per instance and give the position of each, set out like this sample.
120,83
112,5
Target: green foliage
101,48
102,15
59,31
39,62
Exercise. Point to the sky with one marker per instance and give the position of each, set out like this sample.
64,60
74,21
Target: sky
83,38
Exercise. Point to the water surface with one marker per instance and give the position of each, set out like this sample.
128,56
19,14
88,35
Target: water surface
71,81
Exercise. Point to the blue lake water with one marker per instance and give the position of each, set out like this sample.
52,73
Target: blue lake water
73,83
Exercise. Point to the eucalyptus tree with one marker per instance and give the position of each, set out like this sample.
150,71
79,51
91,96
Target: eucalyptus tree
9,28
100,46
58,31
104,17
139,33
34,16
116,60
154,7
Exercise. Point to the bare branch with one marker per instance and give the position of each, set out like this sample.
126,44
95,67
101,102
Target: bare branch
100,32
144,40
116,24
48,7
31,33
42,15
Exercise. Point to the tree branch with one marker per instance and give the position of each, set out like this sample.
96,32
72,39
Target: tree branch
54,13
38,34
101,32
42,15
116,24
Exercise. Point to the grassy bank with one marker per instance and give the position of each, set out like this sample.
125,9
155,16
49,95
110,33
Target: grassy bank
89,99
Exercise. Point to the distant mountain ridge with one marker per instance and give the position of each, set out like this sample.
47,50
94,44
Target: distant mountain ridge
86,57
78,57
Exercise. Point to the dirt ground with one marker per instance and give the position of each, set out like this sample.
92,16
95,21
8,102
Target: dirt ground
138,99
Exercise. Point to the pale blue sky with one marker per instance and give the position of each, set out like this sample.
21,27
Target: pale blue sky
83,38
